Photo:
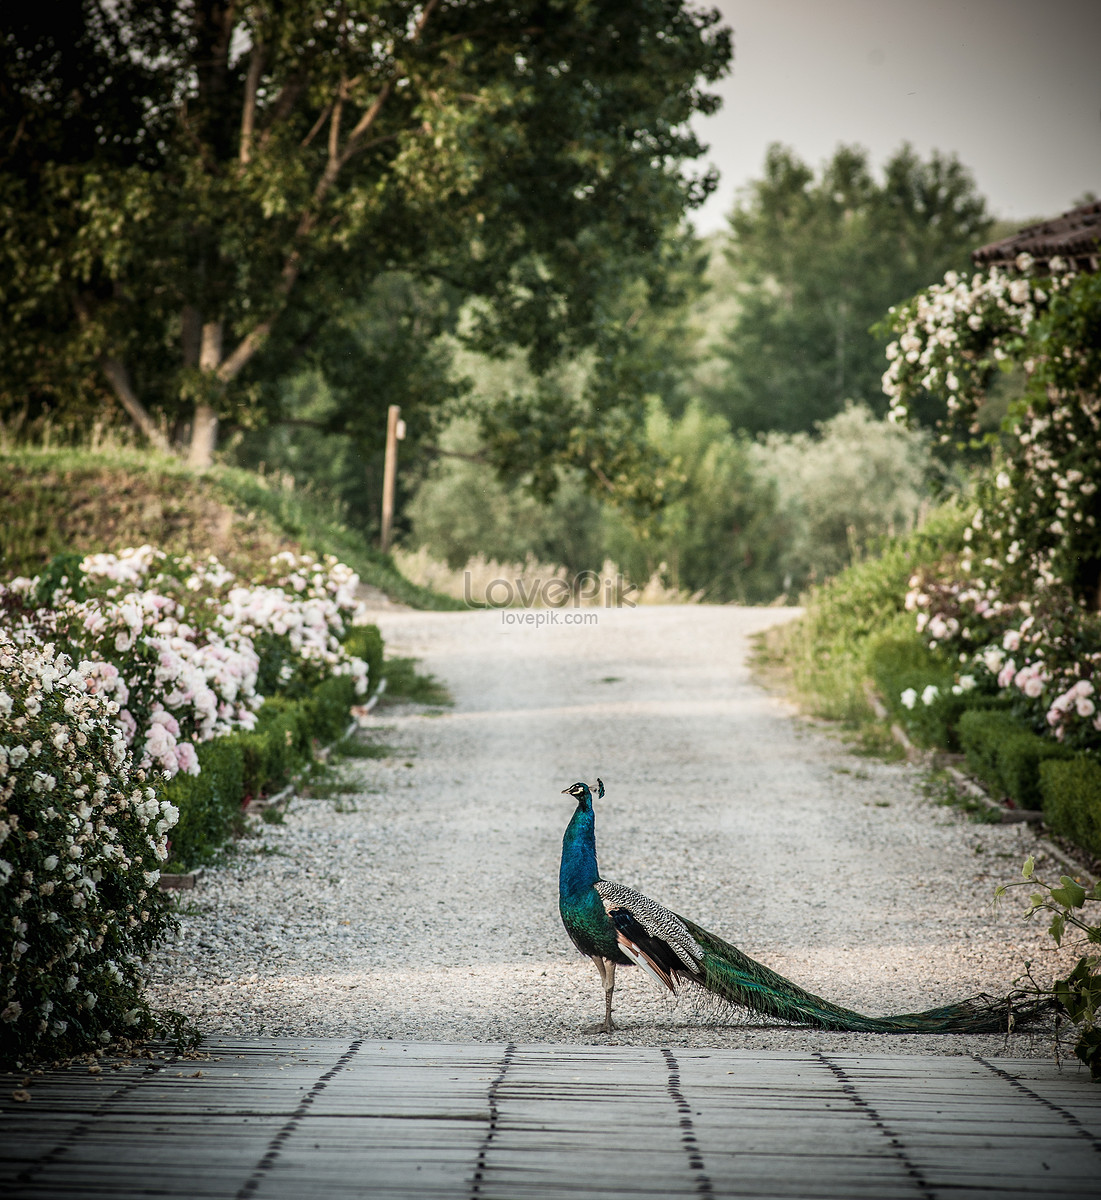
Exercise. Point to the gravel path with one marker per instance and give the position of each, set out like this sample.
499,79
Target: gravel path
422,905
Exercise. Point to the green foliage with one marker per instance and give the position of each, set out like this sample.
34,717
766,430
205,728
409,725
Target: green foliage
819,260
209,803
915,686
405,682
323,431
591,417
1072,911
246,765
856,480
919,688
329,706
365,641
717,533
462,508
829,649
741,520
242,766
1006,755
318,523
92,497
1071,796
190,216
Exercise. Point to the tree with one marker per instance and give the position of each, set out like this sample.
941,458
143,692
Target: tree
192,189
856,480
818,261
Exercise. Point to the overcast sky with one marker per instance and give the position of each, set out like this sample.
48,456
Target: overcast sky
1013,87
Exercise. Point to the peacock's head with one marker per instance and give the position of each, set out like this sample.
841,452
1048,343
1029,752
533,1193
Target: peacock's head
581,791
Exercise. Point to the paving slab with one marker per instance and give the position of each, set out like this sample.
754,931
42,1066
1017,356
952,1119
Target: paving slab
293,1119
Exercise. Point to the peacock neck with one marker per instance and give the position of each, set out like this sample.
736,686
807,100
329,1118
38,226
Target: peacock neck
579,871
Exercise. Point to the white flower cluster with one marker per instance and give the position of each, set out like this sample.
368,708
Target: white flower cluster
952,338
953,334
1017,608
81,840
181,676
929,695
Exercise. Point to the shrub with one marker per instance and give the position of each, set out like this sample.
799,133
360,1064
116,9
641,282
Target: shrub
829,649
82,839
209,803
1071,793
236,768
186,649
328,708
856,480
1006,755
365,642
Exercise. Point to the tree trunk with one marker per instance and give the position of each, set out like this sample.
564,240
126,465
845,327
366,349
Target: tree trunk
204,437
119,378
204,424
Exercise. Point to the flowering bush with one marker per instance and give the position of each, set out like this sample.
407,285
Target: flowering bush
1018,608
1043,654
187,650
113,669
1041,503
82,837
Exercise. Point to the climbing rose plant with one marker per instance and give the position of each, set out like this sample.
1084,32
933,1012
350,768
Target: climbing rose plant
1040,508
1018,609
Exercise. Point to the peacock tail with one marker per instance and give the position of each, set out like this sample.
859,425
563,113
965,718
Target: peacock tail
726,972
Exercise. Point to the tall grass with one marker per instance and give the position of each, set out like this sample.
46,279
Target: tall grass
531,583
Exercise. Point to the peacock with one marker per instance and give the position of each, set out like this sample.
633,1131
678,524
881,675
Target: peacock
617,926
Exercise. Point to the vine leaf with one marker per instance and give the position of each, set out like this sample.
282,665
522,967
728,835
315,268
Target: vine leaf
1072,894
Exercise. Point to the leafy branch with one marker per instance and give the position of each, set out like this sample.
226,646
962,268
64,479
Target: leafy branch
1079,994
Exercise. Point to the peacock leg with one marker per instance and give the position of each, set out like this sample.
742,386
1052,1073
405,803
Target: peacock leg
606,967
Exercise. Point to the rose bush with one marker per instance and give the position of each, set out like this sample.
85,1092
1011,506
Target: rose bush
113,669
188,650
82,838
1018,609
1043,654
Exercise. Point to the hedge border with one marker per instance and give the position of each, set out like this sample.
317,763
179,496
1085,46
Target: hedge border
245,765
1071,795
1006,755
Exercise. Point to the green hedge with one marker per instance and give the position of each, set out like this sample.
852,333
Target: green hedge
1071,792
365,641
236,768
1007,756
901,663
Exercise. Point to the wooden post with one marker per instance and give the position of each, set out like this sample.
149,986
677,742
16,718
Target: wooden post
395,431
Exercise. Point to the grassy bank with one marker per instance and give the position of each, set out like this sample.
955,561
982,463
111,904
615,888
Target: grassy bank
61,500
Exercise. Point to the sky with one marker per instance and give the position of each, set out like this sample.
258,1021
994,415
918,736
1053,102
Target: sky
1012,87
